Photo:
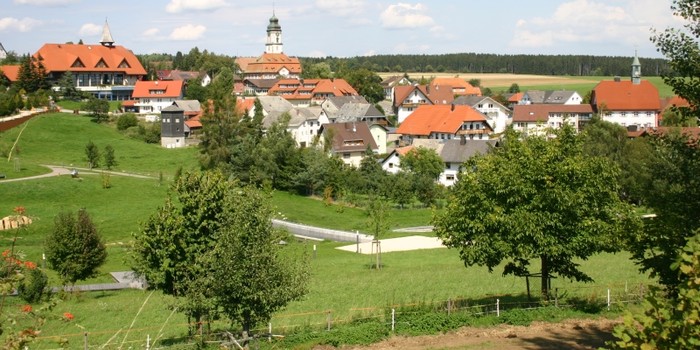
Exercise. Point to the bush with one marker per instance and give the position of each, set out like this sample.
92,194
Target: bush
126,121
34,287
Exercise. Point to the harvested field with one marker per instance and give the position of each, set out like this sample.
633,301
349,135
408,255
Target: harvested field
502,79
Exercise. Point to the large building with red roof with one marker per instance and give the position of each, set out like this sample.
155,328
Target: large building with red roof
537,118
151,97
306,92
632,104
273,63
408,98
106,70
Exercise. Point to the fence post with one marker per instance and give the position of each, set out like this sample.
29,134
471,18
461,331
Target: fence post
608,298
498,307
449,306
357,241
393,320
148,342
314,252
556,297
85,341
328,320
269,332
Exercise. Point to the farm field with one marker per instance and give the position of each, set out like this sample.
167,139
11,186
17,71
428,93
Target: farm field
342,285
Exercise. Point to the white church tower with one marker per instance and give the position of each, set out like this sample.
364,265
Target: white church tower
636,70
274,36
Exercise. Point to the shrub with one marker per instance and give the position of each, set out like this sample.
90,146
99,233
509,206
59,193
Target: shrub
126,121
34,287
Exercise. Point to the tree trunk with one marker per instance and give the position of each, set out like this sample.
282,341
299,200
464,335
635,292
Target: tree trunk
545,277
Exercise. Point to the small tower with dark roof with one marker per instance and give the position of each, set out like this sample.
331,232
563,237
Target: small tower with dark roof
107,39
274,36
636,70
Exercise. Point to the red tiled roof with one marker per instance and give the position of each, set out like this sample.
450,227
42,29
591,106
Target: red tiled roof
169,88
11,72
293,89
515,98
89,58
540,112
626,96
245,104
676,101
194,122
457,84
428,119
269,63
128,103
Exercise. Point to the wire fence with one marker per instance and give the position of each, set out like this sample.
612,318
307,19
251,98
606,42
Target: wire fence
394,317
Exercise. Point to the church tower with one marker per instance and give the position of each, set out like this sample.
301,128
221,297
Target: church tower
274,36
636,70
107,39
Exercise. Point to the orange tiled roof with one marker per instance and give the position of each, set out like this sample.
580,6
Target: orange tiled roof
169,88
515,98
540,112
245,104
89,58
457,83
676,101
428,119
194,122
626,96
11,72
269,63
293,89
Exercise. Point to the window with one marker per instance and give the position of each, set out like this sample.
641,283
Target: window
450,177
447,165
391,165
346,155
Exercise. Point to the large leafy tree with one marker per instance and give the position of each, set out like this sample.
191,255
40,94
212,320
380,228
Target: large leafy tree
170,244
252,277
682,50
74,249
536,198
366,82
671,191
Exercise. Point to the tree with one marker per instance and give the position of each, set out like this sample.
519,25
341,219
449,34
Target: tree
367,84
32,75
110,160
536,198
169,246
74,249
92,153
127,120
68,89
219,123
682,50
671,169
195,91
423,161
668,323
514,88
98,108
252,275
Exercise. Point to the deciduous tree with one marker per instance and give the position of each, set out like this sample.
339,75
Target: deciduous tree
535,198
92,153
74,249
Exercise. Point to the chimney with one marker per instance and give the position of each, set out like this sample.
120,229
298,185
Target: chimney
452,107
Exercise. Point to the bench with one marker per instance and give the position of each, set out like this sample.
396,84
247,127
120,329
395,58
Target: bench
2,176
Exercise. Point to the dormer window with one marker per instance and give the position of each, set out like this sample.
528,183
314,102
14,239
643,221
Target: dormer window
77,64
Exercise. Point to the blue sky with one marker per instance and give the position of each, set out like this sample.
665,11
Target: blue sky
344,28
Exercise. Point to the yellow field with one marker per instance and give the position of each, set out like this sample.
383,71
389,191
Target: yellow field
491,80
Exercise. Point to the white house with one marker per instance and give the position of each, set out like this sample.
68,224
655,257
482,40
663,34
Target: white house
444,123
408,98
350,141
151,97
537,118
497,115
390,83
305,123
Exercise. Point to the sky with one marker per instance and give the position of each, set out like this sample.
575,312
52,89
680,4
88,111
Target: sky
344,28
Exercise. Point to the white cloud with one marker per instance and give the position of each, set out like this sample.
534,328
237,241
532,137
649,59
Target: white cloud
177,6
404,15
45,2
188,32
370,53
150,32
341,8
591,21
21,25
90,29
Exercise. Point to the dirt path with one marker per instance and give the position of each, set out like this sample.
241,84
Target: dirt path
570,334
60,170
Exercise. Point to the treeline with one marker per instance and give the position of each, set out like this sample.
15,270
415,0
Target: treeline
576,65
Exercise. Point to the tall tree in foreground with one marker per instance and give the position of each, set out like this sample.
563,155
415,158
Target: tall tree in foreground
682,50
536,198
252,277
74,248
220,122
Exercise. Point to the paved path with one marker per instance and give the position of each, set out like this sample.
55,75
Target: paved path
61,170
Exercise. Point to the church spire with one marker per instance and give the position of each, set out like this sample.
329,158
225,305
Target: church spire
636,70
107,39
274,36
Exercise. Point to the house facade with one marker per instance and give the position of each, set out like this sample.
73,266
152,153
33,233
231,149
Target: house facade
497,115
390,83
151,97
537,118
105,71
632,104
561,97
350,141
307,92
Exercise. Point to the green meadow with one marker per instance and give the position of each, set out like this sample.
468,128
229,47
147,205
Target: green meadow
342,285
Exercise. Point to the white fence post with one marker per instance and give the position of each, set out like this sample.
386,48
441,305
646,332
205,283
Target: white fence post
269,332
608,298
393,319
498,307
